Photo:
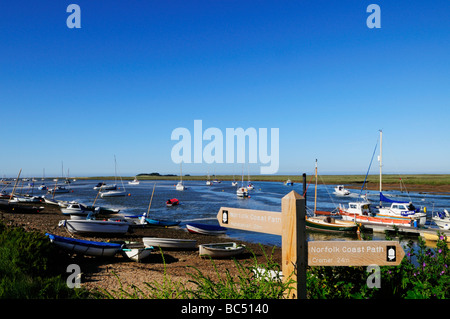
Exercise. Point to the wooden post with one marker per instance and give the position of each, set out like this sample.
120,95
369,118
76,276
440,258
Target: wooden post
294,245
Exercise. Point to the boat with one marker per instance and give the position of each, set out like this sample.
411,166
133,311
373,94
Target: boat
172,202
180,186
170,243
136,251
105,187
85,247
113,193
161,222
25,199
19,208
434,236
221,250
330,224
58,190
75,208
340,190
204,229
43,187
242,192
442,219
95,226
289,183
135,181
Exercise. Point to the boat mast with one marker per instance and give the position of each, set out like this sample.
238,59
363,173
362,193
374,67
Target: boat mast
380,159
315,194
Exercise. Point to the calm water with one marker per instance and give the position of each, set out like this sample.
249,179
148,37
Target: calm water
201,203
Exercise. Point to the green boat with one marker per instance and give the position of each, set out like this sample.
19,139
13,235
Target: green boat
330,224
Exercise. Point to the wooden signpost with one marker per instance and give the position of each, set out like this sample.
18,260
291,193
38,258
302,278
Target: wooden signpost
297,253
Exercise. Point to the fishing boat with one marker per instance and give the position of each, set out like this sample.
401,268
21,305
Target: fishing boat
136,251
442,219
172,202
221,250
204,229
95,226
85,247
330,224
170,243
340,190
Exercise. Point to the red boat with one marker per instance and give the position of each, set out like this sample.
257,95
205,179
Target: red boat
172,202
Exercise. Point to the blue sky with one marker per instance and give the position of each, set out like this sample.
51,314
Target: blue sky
137,70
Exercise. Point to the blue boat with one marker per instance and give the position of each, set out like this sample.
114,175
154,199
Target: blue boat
85,247
162,222
205,229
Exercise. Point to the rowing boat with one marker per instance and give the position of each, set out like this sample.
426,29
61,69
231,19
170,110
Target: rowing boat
205,229
85,247
170,243
221,250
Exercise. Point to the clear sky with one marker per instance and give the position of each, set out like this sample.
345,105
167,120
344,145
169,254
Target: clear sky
137,70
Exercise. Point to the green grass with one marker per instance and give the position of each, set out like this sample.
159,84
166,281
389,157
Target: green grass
417,179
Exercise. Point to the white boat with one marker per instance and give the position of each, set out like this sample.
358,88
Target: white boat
135,181
95,226
43,187
113,193
136,251
180,186
105,187
25,199
242,192
340,190
205,229
289,183
442,219
221,250
170,243
234,183
58,190
75,208
85,247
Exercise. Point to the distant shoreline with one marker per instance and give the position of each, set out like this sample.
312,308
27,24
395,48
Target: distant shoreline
435,183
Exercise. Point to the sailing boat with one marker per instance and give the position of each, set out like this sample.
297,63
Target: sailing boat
156,222
180,186
249,184
208,181
328,223
114,192
242,191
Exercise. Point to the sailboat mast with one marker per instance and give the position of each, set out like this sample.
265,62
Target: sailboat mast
315,192
380,159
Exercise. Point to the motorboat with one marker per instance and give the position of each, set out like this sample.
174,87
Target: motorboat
340,190
75,208
135,181
172,202
442,219
105,187
58,190
242,192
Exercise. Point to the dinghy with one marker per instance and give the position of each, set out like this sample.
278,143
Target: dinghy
170,243
172,202
95,226
330,224
205,229
220,250
136,251
85,247
162,222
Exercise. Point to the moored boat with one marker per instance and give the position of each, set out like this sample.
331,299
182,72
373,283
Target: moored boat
340,190
205,229
442,219
95,226
242,192
85,247
136,251
221,250
170,243
330,224
162,222
172,202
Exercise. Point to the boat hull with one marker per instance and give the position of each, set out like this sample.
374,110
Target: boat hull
205,229
170,243
85,247
331,225
162,222
221,250
95,226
